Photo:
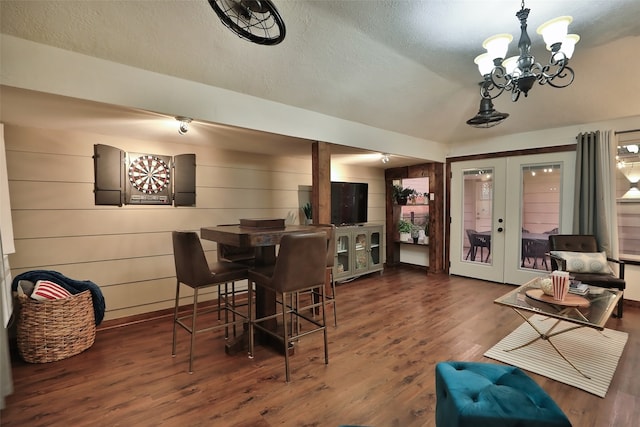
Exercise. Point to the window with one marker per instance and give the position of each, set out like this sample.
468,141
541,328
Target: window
628,195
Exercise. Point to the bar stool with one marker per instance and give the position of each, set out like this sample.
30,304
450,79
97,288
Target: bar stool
192,270
300,267
330,229
331,260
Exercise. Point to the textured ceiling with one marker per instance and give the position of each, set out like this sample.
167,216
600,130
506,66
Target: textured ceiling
403,66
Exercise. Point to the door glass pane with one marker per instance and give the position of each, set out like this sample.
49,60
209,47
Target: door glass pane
375,248
477,215
342,251
541,185
361,251
628,195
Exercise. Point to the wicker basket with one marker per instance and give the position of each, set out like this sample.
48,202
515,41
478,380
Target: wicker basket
54,330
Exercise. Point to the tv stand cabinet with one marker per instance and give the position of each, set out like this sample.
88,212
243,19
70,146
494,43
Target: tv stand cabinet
358,251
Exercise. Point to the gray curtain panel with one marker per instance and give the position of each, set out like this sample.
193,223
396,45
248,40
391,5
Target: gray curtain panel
594,210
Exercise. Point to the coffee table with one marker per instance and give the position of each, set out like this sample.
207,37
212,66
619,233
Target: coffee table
591,310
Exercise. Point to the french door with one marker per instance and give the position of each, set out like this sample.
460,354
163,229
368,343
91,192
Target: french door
502,211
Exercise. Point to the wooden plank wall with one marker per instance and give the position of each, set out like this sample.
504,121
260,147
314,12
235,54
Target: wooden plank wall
127,250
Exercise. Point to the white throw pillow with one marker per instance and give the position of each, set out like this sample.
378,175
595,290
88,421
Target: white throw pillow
584,262
46,290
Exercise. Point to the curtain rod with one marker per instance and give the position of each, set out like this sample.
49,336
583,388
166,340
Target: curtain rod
626,131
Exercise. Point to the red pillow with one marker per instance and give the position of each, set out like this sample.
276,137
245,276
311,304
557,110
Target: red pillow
46,290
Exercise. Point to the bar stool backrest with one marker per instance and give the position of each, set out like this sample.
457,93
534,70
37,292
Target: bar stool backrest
301,262
192,268
330,229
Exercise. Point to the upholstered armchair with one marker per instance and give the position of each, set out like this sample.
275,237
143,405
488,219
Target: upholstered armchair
579,255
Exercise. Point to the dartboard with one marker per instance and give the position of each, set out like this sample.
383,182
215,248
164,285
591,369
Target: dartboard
149,174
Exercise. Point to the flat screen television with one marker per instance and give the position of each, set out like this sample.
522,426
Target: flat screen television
349,202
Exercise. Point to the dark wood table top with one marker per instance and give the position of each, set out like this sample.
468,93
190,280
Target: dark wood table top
243,237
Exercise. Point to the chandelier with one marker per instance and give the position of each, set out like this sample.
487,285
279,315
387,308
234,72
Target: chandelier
518,74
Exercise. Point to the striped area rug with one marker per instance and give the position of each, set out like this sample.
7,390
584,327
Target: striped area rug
595,353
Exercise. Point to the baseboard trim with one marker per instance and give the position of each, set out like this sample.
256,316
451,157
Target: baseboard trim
152,315
168,313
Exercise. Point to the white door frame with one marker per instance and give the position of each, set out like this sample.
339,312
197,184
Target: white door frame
493,270
504,265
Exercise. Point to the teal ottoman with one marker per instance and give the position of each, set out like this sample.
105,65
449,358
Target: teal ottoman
472,394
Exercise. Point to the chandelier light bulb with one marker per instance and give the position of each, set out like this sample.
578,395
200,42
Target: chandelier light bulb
484,63
497,45
555,30
568,45
511,65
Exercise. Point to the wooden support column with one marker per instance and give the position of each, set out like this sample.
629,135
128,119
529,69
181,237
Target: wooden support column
321,182
436,219
392,215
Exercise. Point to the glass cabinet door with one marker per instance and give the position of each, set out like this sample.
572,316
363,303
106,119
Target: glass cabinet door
342,254
361,251
358,251
374,239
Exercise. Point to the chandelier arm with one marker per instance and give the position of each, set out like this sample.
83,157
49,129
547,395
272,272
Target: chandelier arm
562,78
537,70
488,89
563,73
500,78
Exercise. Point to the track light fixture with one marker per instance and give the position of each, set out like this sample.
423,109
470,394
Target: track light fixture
184,124
384,158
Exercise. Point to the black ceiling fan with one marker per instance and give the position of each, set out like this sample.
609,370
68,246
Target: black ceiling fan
255,20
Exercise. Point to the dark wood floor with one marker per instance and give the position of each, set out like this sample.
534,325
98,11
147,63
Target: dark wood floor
392,331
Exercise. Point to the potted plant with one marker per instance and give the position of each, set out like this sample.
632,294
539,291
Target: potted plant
401,194
404,227
307,212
